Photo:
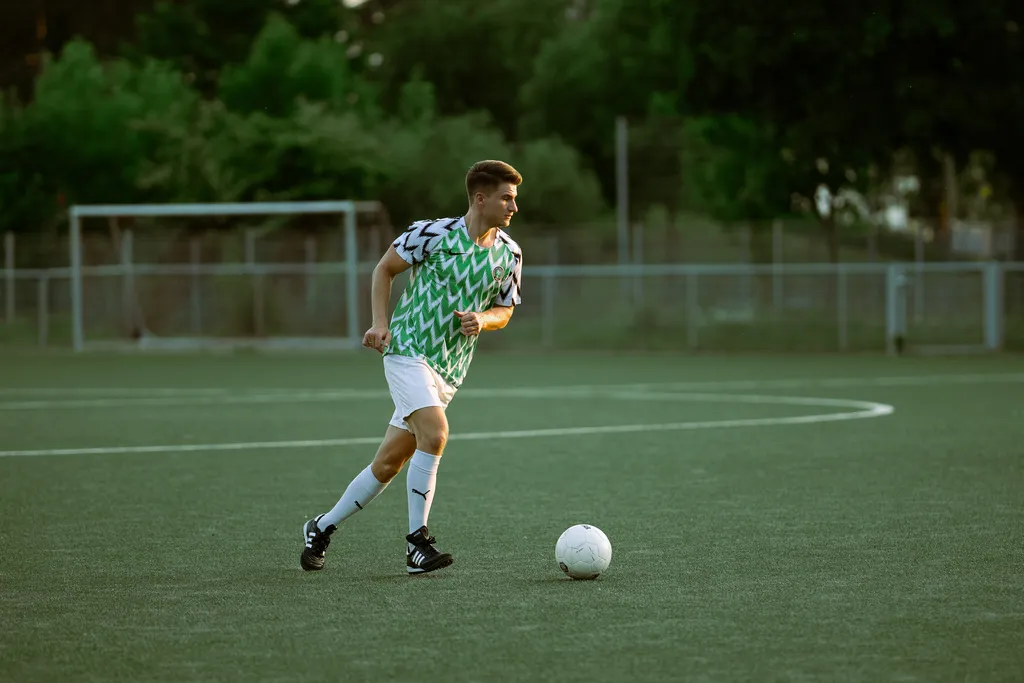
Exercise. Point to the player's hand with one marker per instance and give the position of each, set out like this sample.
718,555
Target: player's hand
470,323
377,338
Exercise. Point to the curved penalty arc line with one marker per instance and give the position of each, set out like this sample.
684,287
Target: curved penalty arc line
860,410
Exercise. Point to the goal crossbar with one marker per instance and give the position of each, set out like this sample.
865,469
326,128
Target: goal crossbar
218,209
346,207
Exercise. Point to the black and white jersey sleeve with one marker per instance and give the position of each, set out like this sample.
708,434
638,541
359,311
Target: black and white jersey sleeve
421,238
509,293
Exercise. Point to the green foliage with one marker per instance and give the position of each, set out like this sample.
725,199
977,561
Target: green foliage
283,68
733,169
476,54
417,101
200,37
428,161
194,164
27,196
557,187
625,57
854,84
734,109
427,156
226,156
92,125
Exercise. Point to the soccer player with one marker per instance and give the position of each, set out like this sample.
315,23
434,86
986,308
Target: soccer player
465,280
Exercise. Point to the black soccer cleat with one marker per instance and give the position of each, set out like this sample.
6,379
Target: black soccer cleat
316,543
424,557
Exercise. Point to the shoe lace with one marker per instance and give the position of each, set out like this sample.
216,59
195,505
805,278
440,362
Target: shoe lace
318,541
426,546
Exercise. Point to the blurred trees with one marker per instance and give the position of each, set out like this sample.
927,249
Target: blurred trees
292,117
476,54
202,37
745,112
87,134
612,58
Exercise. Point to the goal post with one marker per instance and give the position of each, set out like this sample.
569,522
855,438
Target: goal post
349,268
944,308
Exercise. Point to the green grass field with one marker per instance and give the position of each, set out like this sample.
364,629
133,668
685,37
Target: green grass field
752,542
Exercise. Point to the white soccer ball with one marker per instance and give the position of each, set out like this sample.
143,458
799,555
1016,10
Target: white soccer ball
583,551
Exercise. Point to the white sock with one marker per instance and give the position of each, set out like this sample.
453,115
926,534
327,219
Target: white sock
358,495
421,478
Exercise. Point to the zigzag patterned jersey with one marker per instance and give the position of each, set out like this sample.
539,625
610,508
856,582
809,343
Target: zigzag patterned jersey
450,273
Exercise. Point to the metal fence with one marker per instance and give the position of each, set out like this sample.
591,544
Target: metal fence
794,307
658,238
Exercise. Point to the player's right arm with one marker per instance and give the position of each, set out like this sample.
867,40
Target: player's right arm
391,264
411,247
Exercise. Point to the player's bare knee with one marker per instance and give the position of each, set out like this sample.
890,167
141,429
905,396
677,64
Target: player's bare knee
432,440
431,430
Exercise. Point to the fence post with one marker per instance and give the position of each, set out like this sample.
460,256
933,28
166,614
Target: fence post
993,305
895,309
692,309
919,277
257,283
622,195
841,304
548,285
195,255
9,277
310,248
127,282
746,278
75,257
352,277
43,308
638,260
777,266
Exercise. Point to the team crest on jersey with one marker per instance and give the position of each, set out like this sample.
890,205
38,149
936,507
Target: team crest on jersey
499,273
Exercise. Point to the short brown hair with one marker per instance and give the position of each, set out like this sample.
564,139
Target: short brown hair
486,175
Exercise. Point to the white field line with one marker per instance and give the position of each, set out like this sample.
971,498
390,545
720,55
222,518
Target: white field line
857,410
799,382
110,391
198,399
85,398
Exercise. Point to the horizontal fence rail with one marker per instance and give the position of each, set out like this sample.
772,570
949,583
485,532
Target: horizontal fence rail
846,306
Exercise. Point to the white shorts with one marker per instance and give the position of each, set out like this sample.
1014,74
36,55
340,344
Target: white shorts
414,385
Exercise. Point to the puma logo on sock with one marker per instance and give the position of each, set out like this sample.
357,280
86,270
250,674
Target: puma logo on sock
421,493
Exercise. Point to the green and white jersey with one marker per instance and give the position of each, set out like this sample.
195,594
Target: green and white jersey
450,273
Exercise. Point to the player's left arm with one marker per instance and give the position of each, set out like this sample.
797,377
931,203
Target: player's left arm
502,307
494,318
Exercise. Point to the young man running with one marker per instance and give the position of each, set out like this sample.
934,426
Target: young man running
465,280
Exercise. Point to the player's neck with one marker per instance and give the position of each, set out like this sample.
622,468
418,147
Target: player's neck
480,234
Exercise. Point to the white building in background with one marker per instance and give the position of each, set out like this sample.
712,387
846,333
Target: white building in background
982,239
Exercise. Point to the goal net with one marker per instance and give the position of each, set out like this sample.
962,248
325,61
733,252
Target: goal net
283,275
